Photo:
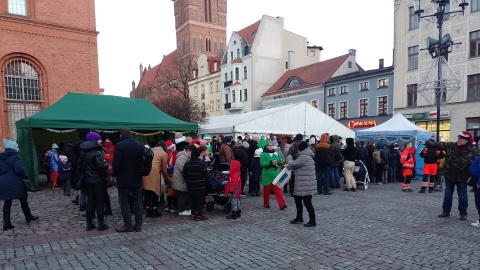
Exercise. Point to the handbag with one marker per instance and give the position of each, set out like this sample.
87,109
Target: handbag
282,178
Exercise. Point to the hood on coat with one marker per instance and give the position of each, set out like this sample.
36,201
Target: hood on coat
324,141
107,144
307,151
234,171
335,138
8,153
379,146
89,146
350,142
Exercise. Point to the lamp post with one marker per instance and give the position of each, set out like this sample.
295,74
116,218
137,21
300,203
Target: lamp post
440,47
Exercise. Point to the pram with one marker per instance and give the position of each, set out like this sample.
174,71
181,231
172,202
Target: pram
360,173
216,188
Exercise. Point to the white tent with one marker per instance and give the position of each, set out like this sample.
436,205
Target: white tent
397,126
291,119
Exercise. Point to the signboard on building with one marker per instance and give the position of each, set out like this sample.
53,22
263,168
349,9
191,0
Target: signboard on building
427,115
361,124
302,92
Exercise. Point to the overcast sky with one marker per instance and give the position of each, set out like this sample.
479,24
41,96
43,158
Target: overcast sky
142,31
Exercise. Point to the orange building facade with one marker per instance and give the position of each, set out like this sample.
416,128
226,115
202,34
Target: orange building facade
47,49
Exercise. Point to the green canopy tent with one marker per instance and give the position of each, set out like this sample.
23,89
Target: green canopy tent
99,112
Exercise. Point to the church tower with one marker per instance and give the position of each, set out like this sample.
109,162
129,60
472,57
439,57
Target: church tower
201,27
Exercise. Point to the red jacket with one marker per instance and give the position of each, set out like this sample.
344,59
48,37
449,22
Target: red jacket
407,158
234,183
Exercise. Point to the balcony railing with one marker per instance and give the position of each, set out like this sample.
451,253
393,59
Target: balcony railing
233,106
228,106
203,96
227,84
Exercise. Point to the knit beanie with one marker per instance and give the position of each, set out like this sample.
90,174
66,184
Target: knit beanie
93,137
9,144
302,146
299,137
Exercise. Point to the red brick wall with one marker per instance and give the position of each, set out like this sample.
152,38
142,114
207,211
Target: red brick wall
59,37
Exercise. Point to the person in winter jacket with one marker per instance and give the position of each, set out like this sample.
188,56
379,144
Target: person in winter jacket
475,171
54,163
350,156
305,183
12,186
323,162
408,163
293,151
152,183
458,158
196,174
271,163
94,169
361,154
256,172
65,174
380,164
180,184
385,156
126,165
172,157
393,162
337,158
370,164
233,188
240,154
225,152
431,157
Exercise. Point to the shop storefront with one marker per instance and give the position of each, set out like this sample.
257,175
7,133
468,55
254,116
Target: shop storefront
428,121
361,123
473,126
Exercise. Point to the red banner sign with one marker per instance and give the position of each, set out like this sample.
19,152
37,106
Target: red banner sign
359,124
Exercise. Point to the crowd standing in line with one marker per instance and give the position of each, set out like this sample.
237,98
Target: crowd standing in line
181,172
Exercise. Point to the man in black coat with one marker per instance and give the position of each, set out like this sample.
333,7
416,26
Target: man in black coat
196,174
126,165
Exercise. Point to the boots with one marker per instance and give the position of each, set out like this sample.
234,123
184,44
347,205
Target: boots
430,190
422,190
108,211
75,201
149,212
28,215
7,225
239,213
156,213
233,215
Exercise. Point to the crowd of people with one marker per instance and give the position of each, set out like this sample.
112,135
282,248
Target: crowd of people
182,167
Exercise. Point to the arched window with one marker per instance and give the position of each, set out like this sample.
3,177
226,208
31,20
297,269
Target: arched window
237,73
22,91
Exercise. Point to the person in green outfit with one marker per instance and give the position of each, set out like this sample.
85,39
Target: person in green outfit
271,163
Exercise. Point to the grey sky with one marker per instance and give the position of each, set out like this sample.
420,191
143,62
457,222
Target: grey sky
142,31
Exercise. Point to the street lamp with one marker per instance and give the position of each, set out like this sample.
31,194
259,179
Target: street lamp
438,48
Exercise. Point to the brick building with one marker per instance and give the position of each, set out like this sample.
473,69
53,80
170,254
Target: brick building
48,48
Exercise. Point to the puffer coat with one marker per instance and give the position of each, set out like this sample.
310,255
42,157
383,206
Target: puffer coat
305,174
53,161
92,164
179,182
11,174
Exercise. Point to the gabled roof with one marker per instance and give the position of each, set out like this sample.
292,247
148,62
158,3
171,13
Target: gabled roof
237,61
217,58
168,63
311,74
248,33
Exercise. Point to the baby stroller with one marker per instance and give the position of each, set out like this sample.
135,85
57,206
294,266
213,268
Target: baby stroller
216,187
360,173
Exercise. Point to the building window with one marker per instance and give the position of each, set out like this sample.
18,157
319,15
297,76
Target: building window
195,92
331,110
218,86
475,4
473,87
226,77
444,128
382,105
475,43
17,7
218,105
233,95
363,107
343,90
382,83
244,72
343,109
349,64
363,86
211,87
414,19
240,95
314,103
245,95
237,73
226,98
203,91
202,71
331,91
22,92
231,75
413,58
231,56
238,53
411,95
212,106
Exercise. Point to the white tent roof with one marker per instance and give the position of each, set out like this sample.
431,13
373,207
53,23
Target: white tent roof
398,125
291,119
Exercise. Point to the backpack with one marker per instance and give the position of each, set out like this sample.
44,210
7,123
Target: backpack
376,157
146,162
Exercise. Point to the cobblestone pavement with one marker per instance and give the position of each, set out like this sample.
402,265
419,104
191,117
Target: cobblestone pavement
381,228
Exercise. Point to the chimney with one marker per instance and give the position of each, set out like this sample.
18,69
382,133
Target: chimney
381,63
353,52
133,85
141,71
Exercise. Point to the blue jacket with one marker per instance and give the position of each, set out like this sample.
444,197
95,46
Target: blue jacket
11,174
53,160
475,169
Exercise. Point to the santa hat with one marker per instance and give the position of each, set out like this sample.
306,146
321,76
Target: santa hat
466,135
195,141
170,144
